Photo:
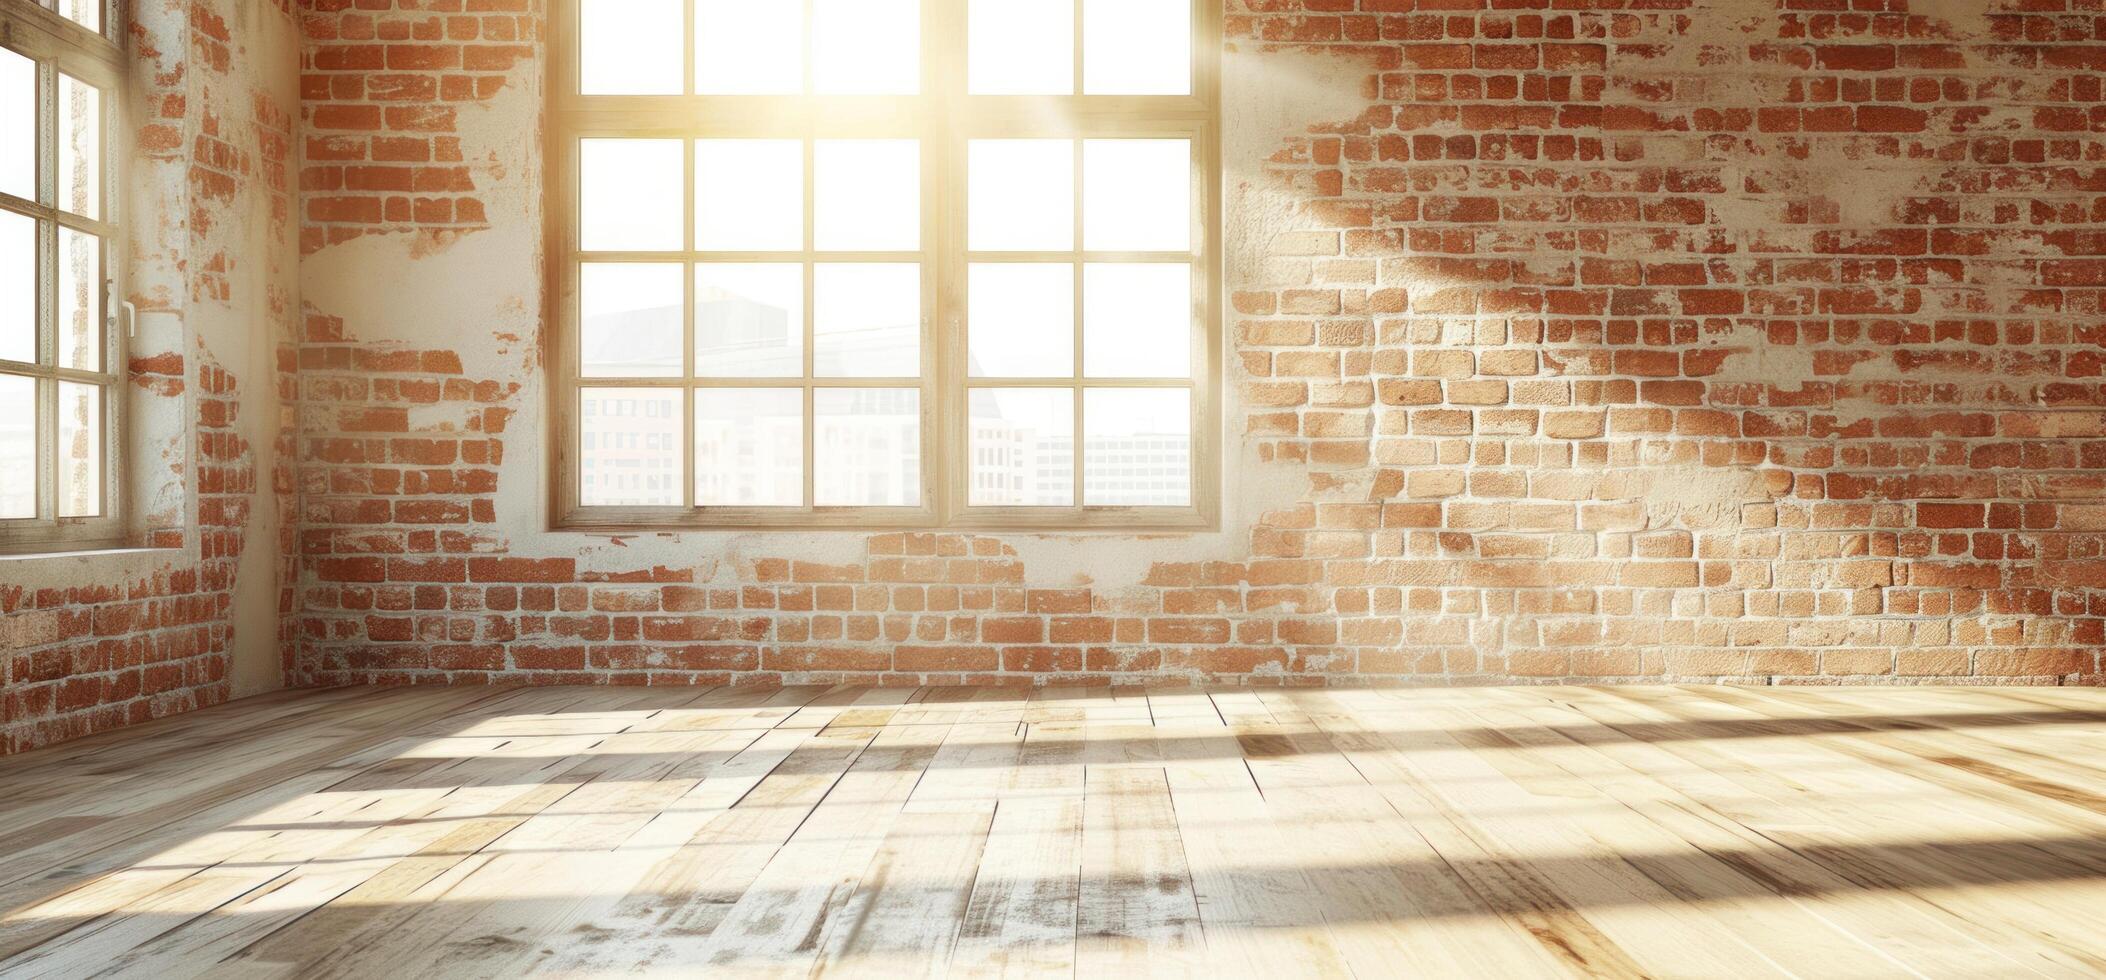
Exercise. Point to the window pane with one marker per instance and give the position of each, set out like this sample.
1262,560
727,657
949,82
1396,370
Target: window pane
867,447
749,320
630,195
80,147
79,450
18,287
1136,47
1023,447
866,320
749,195
748,48
631,447
79,300
1137,447
18,447
1137,195
86,13
631,47
1020,320
18,125
1137,320
866,47
749,447
1021,47
1020,195
868,195
631,316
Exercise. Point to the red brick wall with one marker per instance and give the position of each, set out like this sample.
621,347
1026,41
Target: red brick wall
1746,340
381,88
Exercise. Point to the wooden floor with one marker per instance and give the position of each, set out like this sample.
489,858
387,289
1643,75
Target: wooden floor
1692,832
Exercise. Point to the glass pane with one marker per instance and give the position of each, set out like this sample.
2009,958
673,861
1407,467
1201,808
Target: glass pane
86,13
1137,195
629,196
866,47
1020,195
867,447
631,47
1136,47
631,318
748,48
749,320
1021,47
18,125
79,450
80,147
18,447
1023,447
18,287
79,300
749,195
1137,447
1020,320
1137,320
749,447
631,447
868,195
866,320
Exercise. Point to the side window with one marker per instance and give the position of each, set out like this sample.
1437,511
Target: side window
61,359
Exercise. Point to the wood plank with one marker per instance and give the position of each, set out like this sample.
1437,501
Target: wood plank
1136,912
1020,920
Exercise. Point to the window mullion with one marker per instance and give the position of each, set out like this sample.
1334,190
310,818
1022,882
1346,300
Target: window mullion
688,309
1076,89
943,398
1075,441
809,283
687,47
47,460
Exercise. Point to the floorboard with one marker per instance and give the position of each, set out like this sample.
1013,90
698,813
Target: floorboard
1069,832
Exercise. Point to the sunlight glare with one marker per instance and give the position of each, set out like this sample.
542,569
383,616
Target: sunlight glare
1020,47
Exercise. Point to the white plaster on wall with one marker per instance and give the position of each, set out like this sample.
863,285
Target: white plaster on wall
1267,99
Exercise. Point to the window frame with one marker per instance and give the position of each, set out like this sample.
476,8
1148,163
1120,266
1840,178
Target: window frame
943,117
57,45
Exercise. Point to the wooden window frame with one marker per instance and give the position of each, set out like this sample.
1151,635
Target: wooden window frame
943,117
59,45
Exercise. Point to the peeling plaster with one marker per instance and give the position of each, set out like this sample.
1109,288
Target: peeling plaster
492,279
1267,99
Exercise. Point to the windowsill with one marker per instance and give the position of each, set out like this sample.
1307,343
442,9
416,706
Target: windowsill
86,551
641,521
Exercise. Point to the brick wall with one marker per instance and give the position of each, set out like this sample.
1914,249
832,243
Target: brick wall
1698,340
381,91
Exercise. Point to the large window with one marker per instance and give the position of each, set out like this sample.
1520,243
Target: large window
883,263
61,358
